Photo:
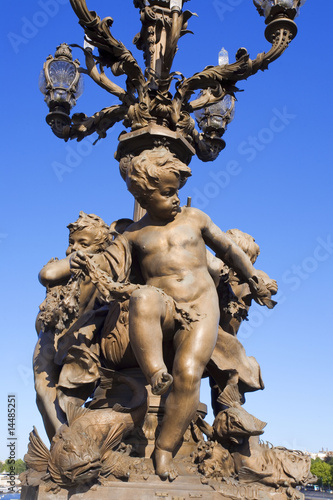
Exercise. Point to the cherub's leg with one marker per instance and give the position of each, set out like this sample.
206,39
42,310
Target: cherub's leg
193,351
147,313
46,374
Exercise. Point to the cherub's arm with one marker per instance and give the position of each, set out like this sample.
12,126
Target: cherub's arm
55,271
226,249
234,256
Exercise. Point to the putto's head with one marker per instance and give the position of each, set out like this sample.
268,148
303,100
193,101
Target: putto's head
144,172
246,242
88,233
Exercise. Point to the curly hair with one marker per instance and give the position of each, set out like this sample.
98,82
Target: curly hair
143,172
103,236
246,242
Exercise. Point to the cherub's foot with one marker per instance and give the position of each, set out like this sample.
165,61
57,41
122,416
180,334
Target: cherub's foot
160,382
164,465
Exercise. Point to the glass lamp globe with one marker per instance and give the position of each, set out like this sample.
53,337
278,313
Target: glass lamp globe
214,118
269,8
61,83
60,80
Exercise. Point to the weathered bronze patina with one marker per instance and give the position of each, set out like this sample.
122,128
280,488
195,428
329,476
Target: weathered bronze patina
139,311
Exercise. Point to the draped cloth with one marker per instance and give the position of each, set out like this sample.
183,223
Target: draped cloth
229,356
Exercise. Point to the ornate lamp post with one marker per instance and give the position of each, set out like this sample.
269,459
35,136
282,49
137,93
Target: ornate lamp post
147,106
147,102
169,245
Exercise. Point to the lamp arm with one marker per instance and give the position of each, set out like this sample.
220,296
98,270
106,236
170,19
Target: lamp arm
223,78
83,125
103,81
112,52
215,95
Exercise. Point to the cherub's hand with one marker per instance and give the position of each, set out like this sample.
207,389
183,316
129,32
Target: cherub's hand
78,261
261,292
272,286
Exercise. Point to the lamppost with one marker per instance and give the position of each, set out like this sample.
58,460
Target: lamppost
147,107
160,114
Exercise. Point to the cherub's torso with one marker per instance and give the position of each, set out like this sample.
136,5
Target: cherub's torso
172,256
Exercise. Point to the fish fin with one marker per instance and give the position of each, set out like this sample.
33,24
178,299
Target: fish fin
55,474
230,396
108,463
260,425
38,454
248,475
112,439
74,412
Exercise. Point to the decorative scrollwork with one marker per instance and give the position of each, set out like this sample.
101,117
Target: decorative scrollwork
223,78
156,21
147,99
113,53
100,122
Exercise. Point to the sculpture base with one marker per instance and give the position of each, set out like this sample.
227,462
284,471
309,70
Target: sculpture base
147,486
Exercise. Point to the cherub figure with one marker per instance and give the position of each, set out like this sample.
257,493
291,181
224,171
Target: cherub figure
229,364
179,301
69,295
234,311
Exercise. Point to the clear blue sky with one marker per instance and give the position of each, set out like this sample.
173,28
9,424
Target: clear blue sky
279,190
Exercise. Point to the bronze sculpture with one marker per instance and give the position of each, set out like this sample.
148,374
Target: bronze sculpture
150,307
161,318
182,273
67,298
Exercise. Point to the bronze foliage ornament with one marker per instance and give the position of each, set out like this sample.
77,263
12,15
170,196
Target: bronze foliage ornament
147,99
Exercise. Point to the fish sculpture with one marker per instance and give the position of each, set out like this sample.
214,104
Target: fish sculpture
272,466
233,423
84,448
